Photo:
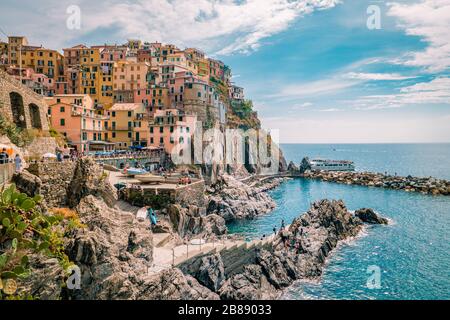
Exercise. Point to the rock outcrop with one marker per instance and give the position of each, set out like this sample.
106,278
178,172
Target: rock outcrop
298,252
292,167
194,221
233,199
90,179
113,251
369,216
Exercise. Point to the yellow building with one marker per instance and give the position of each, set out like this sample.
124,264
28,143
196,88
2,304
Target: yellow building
127,125
89,77
15,43
42,60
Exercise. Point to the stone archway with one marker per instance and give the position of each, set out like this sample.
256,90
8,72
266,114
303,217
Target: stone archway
35,116
17,109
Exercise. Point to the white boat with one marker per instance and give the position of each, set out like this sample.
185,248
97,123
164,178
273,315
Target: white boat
150,178
331,165
131,172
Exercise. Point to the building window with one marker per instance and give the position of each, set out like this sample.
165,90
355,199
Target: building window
161,140
113,114
62,122
171,129
151,129
161,129
129,114
113,134
130,134
62,109
151,140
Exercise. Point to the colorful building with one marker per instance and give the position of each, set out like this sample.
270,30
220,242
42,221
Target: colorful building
129,77
127,125
74,116
172,129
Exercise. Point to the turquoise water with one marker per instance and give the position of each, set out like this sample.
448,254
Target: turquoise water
412,253
421,160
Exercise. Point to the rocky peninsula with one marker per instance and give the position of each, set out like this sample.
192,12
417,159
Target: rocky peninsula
114,250
409,184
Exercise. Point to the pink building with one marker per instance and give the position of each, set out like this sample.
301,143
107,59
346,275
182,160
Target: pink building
38,82
74,116
172,129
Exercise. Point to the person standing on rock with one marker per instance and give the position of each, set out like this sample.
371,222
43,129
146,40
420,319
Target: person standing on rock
274,230
282,224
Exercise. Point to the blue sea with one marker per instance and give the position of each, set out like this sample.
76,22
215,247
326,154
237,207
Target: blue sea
411,255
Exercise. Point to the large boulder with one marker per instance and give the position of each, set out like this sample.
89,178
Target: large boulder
233,199
211,272
27,182
367,215
172,284
90,179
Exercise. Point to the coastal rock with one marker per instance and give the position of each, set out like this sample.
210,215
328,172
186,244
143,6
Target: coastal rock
45,281
292,167
251,284
233,199
305,165
90,179
190,221
113,251
369,216
172,284
409,184
211,273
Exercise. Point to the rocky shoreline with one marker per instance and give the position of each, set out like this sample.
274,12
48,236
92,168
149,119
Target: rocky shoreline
232,199
113,250
409,184
299,252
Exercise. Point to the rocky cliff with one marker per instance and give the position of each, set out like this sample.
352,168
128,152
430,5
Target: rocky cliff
299,252
232,199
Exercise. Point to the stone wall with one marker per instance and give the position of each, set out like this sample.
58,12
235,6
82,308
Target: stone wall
193,194
55,177
25,108
41,146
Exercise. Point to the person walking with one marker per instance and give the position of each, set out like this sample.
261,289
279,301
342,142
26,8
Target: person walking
18,163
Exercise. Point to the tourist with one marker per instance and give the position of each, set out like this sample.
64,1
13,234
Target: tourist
274,230
59,156
282,224
4,156
18,163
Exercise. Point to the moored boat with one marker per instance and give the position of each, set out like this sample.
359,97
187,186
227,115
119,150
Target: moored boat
331,165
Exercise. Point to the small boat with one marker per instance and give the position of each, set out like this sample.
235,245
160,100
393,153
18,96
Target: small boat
150,178
131,172
331,165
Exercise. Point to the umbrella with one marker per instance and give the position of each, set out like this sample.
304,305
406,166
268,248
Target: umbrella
49,155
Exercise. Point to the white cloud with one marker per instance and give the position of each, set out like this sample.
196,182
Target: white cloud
376,76
325,86
221,26
429,19
435,91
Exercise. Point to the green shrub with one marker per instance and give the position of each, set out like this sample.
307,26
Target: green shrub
20,137
25,230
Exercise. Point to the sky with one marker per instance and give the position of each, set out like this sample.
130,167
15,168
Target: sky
313,68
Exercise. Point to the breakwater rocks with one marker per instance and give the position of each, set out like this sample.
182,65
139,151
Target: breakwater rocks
233,199
409,184
299,252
